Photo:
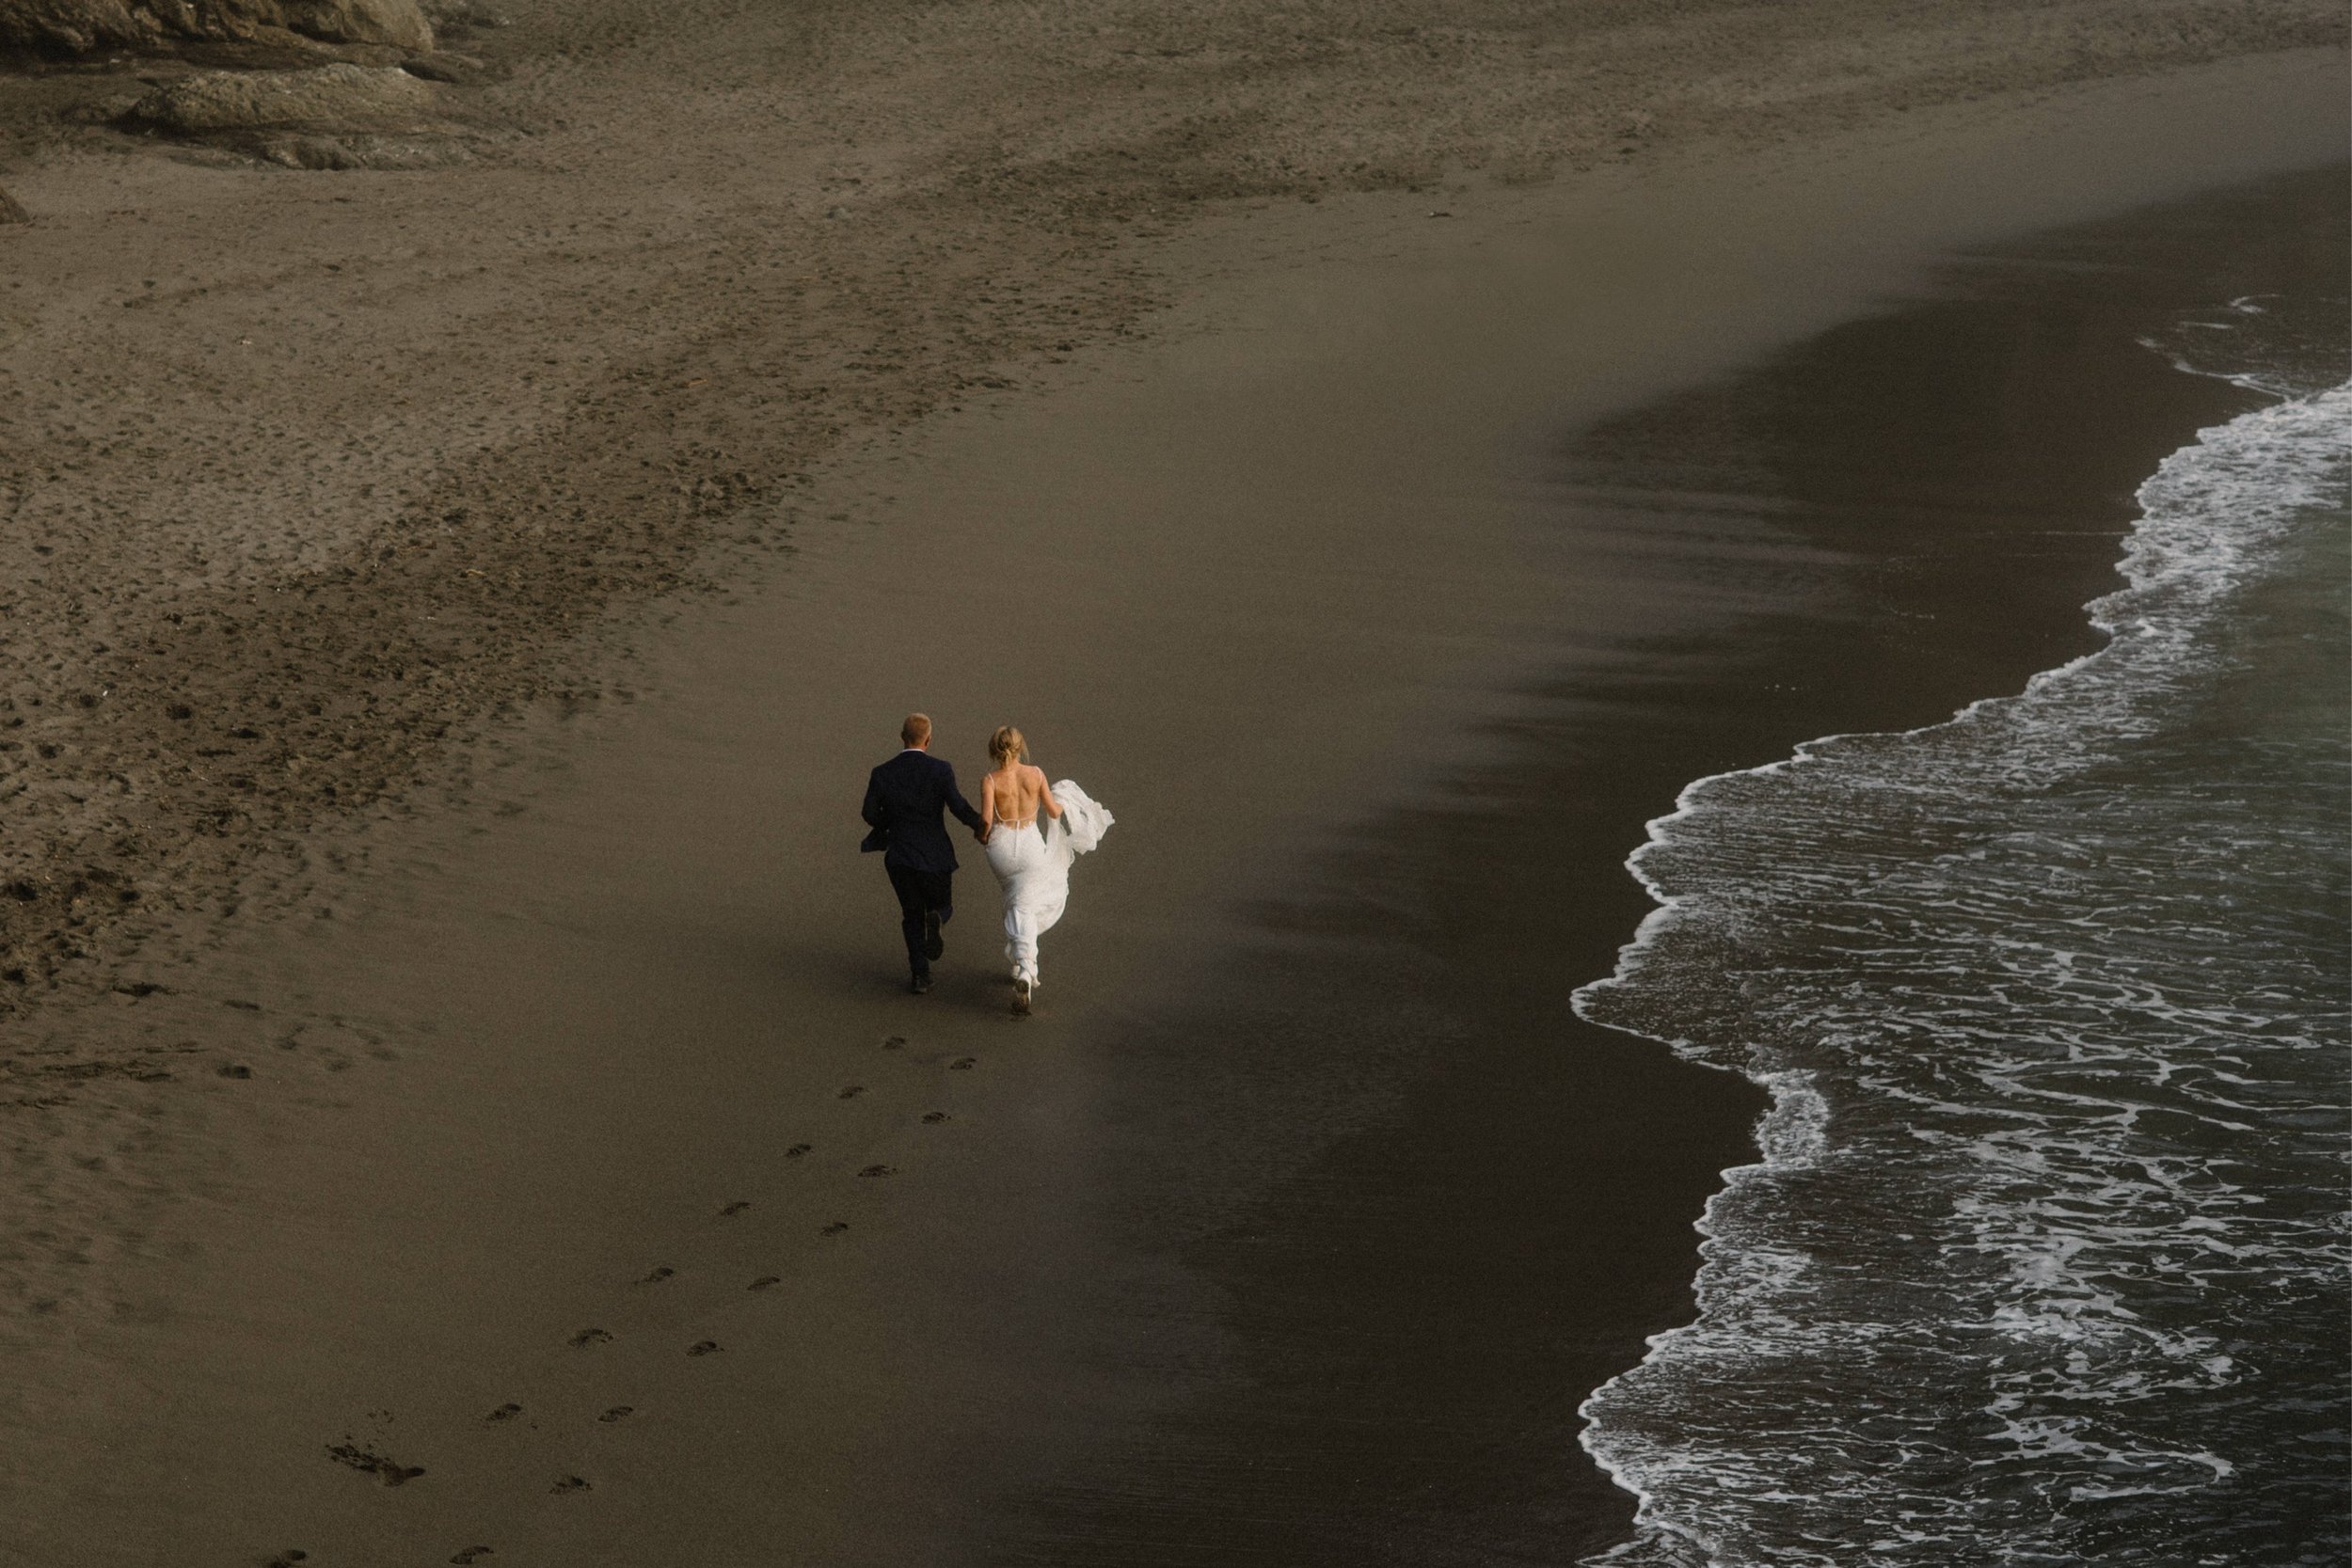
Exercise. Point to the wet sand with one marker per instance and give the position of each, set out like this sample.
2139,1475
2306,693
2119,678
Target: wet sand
1295,1226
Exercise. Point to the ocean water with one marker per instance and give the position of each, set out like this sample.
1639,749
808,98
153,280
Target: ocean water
2043,1260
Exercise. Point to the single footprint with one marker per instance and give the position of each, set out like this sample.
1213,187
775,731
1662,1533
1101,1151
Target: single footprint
288,1558
571,1483
879,1170
368,1461
836,1228
701,1347
796,1151
734,1209
587,1336
963,1063
658,1276
616,1414
895,1042
466,1557
853,1091
763,1282
934,1117
504,1412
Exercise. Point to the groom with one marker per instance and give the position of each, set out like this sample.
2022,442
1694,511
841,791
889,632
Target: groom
904,799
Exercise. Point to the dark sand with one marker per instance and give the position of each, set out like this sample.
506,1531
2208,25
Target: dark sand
1297,1225
1892,518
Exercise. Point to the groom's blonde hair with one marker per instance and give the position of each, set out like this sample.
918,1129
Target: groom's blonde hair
916,730
1007,742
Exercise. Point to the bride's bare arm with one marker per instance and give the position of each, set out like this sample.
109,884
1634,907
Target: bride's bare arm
1046,794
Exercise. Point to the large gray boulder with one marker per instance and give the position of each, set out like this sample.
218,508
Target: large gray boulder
337,95
79,26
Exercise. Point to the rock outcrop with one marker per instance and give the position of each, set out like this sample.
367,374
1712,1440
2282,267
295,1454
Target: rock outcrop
333,95
81,26
399,22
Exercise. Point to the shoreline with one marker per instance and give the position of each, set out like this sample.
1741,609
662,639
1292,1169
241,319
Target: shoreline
1093,949
1456,1234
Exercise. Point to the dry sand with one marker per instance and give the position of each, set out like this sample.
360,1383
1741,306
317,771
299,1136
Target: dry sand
390,450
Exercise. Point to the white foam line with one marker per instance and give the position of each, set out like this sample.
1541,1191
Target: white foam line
1792,1132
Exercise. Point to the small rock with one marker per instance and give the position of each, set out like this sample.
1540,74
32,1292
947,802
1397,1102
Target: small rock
444,65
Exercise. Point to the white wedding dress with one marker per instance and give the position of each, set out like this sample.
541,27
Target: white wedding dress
1032,861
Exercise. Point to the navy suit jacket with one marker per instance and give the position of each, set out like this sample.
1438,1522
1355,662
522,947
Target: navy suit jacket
903,801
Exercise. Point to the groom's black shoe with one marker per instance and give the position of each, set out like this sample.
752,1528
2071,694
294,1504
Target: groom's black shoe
920,984
932,946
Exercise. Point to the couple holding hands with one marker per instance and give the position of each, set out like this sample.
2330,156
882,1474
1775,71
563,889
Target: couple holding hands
1030,831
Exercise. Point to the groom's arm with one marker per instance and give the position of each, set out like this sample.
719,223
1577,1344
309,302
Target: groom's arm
961,807
876,810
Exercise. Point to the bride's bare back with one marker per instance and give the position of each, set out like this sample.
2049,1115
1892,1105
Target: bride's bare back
1013,793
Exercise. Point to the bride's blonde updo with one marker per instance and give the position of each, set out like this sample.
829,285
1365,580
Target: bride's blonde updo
1005,745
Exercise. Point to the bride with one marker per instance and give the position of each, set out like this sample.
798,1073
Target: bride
1031,858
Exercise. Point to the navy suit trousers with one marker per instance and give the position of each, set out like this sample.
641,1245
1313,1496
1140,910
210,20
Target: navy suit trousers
920,894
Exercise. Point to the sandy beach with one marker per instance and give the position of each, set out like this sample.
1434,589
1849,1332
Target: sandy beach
449,610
